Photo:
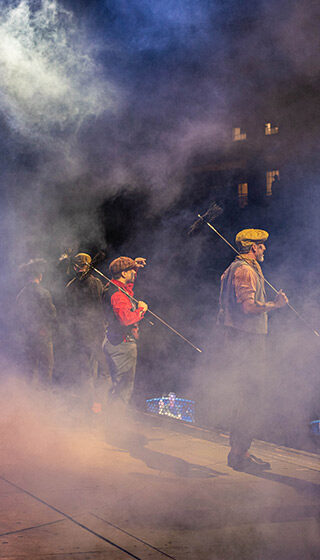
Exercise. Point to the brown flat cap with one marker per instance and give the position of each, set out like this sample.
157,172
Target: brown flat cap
121,264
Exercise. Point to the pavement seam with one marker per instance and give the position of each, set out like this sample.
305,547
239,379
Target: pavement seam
32,527
131,535
69,517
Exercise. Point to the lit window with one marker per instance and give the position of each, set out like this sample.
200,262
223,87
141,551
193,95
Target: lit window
243,194
269,129
270,178
238,135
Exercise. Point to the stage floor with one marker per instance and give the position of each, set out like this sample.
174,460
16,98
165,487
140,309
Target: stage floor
149,491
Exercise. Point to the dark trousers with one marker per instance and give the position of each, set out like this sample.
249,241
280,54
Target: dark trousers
247,358
39,358
122,359
88,371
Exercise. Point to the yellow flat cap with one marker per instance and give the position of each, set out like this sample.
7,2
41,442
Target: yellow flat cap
82,258
246,237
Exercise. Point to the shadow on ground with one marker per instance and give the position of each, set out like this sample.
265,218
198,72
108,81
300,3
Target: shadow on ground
136,444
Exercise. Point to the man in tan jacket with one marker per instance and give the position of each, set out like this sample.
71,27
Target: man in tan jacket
244,315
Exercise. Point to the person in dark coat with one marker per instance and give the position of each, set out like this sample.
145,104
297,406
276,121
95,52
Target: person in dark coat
86,326
36,318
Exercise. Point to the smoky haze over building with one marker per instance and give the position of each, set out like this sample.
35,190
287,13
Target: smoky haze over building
117,122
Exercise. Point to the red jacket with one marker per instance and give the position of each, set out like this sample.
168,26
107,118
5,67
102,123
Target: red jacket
122,305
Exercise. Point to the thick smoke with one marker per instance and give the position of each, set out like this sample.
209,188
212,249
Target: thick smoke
98,97
52,86
128,93
50,81
107,107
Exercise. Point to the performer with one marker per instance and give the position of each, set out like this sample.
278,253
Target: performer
123,316
36,318
85,319
243,314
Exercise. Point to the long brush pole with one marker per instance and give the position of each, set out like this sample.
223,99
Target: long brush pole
148,311
266,281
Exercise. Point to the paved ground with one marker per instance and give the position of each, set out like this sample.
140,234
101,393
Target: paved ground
148,491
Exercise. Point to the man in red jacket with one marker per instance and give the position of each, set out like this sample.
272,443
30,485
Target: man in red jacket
124,316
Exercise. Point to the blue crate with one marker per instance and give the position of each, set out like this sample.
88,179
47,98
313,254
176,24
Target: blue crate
173,406
315,427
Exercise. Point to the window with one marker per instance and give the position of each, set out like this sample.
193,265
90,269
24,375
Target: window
238,135
243,194
270,177
269,129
